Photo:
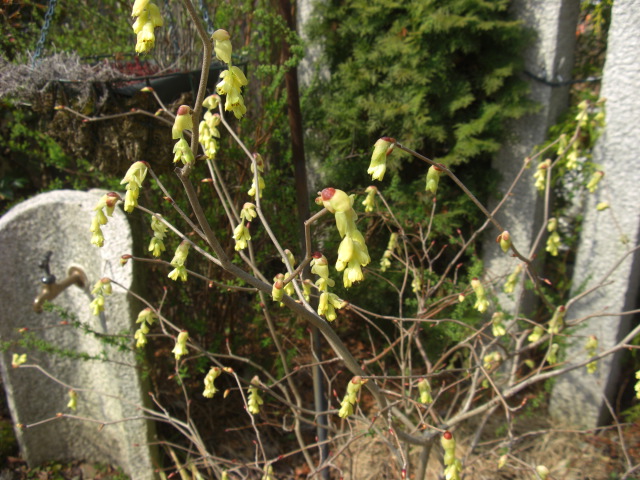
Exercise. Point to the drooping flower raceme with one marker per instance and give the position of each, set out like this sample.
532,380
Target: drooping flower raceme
156,246
425,391
101,289
352,253
133,180
452,466
209,388
18,360
148,20
184,121
180,349
482,303
385,262
179,258
108,202
328,302
556,324
73,400
594,181
146,318
512,280
381,150
592,350
351,397
553,241
233,79
255,400
497,327
241,233
540,174
369,202
208,133
433,178
261,184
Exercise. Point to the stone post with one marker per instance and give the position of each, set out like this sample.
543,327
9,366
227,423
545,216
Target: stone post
549,58
109,425
608,235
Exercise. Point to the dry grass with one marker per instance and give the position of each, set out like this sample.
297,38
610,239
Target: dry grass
569,454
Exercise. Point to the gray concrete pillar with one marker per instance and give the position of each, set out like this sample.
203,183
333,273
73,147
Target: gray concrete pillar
549,57
608,235
108,391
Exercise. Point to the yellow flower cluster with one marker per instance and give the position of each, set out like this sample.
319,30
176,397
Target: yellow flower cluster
209,388
148,18
553,241
425,391
381,150
108,202
179,258
452,465
101,288
351,397
352,253
231,80
482,303
180,348
388,253
146,318
261,184
184,121
328,302
156,246
133,180
241,233
208,128
255,400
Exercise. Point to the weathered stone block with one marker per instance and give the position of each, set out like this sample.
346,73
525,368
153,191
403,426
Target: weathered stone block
109,392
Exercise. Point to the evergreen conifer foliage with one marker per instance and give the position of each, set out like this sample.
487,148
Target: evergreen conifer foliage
441,76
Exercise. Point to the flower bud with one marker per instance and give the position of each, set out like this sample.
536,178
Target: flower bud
209,388
433,178
73,400
18,360
425,391
183,121
211,102
222,45
336,200
542,471
277,292
504,239
180,348
595,179
378,166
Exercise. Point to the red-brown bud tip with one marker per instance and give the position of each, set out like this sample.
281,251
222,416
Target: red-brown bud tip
184,110
447,435
279,285
317,255
562,308
327,194
388,139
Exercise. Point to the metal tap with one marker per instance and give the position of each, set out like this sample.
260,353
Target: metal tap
51,289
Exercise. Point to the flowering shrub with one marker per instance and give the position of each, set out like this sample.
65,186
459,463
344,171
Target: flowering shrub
416,396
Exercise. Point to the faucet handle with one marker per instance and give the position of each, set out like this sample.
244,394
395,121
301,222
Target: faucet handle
48,278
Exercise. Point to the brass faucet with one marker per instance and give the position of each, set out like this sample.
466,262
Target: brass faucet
51,289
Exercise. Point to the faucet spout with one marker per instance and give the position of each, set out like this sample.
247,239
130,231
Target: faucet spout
75,276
